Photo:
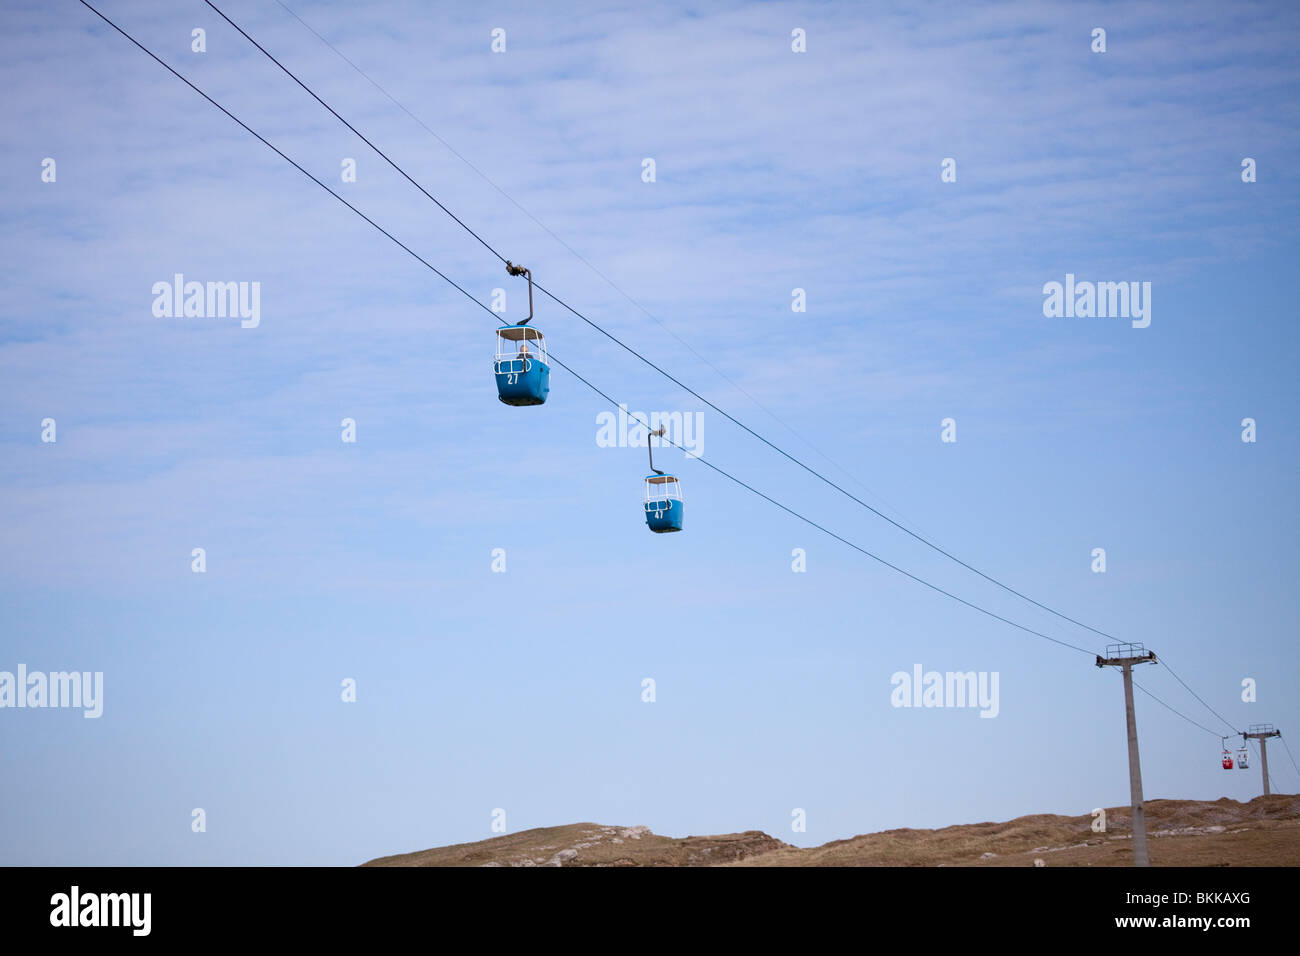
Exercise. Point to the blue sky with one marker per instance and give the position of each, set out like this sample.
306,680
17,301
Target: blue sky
775,170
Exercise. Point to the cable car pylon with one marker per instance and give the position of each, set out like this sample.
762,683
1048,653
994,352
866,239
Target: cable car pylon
523,375
664,507
1261,732
1124,656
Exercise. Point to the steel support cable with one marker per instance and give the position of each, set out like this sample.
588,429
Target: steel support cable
557,361
666,374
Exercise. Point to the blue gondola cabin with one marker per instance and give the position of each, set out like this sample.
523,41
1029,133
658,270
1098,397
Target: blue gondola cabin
663,503
522,372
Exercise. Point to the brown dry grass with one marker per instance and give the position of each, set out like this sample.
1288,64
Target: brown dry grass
1263,832
596,845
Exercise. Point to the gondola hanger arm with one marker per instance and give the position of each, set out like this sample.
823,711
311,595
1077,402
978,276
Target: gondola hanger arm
515,270
650,448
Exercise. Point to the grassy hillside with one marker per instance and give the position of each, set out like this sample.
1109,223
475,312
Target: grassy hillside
1263,832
